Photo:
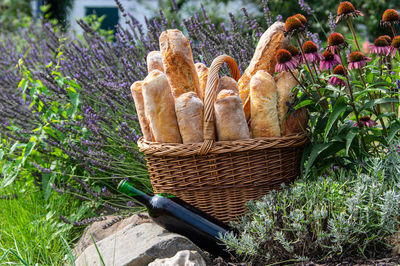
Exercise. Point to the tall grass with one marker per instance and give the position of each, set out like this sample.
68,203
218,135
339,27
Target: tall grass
30,231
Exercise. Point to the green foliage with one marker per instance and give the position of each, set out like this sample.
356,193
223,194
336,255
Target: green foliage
31,231
351,214
14,13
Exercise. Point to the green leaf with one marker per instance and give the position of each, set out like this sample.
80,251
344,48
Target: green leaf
47,183
28,148
338,109
303,103
394,128
315,152
374,102
1,154
349,138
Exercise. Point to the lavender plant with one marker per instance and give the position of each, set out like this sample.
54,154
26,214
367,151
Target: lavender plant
354,215
66,113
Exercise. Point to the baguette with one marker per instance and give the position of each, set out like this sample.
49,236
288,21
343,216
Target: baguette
263,59
202,73
154,61
227,83
160,108
189,112
285,82
229,117
137,94
178,63
264,115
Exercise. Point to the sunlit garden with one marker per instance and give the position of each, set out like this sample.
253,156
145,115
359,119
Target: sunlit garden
269,129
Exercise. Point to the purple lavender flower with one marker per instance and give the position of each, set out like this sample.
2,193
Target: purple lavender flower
305,7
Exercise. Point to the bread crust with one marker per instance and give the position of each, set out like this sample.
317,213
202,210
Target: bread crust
263,59
178,63
154,61
285,82
229,117
264,115
202,73
227,83
160,108
137,94
189,112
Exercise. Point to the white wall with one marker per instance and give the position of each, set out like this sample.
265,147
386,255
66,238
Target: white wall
138,8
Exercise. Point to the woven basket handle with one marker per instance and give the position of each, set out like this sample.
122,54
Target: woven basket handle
212,85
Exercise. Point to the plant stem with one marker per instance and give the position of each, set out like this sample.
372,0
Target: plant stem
304,58
353,32
393,30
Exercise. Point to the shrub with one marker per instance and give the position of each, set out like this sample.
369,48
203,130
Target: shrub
328,218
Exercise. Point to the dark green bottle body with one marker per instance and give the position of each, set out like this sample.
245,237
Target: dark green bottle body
177,216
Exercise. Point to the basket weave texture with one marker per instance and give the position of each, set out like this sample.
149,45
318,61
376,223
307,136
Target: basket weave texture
220,177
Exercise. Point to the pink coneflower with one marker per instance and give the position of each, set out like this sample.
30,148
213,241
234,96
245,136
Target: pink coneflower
295,53
336,41
285,61
386,37
335,81
347,10
311,52
380,47
357,60
293,25
365,121
395,46
389,17
329,60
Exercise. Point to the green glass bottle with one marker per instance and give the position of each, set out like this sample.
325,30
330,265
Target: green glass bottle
177,216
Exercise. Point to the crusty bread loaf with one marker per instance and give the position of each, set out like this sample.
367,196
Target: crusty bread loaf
227,83
202,73
136,90
229,117
178,63
154,61
296,122
263,59
284,84
160,108
189,111
264,115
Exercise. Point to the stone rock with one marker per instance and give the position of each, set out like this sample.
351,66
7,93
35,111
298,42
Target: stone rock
182,258
136,245
98,232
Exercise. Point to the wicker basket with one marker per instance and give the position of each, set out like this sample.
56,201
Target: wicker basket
220,177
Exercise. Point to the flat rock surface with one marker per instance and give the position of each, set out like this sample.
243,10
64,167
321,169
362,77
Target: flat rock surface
136,245
101,229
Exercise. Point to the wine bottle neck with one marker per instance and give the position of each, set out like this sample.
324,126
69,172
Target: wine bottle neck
135,193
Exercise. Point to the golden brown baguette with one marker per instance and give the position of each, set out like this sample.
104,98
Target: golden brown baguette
230,121
154,61
263,59
202,73
189,111
264,114
227,83
284,84
160,108
296,122
178,63
137,94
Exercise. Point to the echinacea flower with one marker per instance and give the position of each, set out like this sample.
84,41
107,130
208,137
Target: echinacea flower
293,25
335,81
302,19
380,47
285,61
294,52
357,60
347,10
311,52
365,121
386,37
395,46
390,17
336,41
329,60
